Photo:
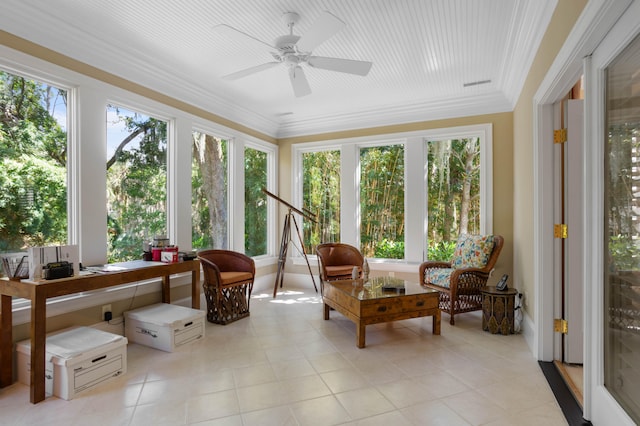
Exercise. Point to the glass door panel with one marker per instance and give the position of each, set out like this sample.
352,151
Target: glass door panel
622,230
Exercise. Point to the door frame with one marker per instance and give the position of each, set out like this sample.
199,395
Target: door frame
595,22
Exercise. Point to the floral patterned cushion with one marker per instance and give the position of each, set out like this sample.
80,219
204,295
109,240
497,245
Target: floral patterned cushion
438,276
472,251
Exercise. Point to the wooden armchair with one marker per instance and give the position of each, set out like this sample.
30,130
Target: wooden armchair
337,260
460,279
228,282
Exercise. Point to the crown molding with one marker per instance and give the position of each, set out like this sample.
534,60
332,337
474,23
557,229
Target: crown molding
140,69
463,106
525,45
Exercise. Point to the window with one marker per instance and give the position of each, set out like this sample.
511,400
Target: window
386,195
136,182
119,186
33,171
453,181
382,202
209,192
255,210
321,197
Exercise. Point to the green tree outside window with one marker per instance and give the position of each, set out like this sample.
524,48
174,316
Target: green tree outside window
33,163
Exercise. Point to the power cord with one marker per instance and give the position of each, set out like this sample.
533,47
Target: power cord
517,316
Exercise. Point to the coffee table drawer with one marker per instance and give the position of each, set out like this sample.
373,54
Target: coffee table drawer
398,305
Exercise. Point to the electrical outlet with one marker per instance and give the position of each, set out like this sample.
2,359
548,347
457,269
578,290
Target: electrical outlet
105,308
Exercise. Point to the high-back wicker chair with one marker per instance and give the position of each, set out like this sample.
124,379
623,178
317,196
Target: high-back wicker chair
228,282
337,260
459,280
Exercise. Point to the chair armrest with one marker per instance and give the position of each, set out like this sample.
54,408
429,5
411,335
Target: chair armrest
431,264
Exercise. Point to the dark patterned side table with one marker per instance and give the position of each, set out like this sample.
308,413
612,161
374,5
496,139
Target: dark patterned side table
498,309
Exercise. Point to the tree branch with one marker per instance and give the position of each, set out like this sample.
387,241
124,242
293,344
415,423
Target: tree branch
124,143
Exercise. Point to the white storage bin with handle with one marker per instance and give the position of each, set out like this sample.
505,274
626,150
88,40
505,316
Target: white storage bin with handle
164,326
76,359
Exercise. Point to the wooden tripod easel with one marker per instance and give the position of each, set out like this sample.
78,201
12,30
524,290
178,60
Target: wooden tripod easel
286,239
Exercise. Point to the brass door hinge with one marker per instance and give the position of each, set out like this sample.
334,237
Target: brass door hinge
560,136
560,325
560,230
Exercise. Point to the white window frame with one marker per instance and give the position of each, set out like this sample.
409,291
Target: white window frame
272,184
297,170
231,154
356,186
415,182
171,160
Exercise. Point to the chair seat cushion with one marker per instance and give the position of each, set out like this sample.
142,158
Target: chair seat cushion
438,276
340,270
229,278
472,251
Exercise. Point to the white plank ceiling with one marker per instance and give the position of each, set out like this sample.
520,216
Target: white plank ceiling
423,53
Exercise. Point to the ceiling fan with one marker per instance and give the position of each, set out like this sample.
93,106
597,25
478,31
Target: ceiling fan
293,51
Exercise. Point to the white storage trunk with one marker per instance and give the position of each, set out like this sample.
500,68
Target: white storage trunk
164,326
76,359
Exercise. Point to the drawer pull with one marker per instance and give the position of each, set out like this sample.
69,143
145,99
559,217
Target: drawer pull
420,303
100,358
188,324
382,308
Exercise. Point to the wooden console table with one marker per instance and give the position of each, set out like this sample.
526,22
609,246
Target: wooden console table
39,291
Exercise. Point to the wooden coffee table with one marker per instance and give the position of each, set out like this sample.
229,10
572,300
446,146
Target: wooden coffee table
373,303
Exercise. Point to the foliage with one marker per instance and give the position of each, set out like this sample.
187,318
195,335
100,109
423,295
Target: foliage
454,188
321,197
387,249
382,199
622,147
136,185
441,251
33,146
621,195
255,202
209,192
33,203
625,253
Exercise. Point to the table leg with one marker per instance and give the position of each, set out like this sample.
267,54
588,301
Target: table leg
360,334
166,289
327,308
38,342
195,288
436,323
6,341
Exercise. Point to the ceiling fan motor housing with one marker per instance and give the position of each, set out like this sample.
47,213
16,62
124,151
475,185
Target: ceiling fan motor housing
286,43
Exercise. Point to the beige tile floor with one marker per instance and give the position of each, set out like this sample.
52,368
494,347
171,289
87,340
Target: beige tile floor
285,365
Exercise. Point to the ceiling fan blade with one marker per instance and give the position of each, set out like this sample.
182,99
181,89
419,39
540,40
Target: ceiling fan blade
341,65
236,34
299,82
248,71
322,29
